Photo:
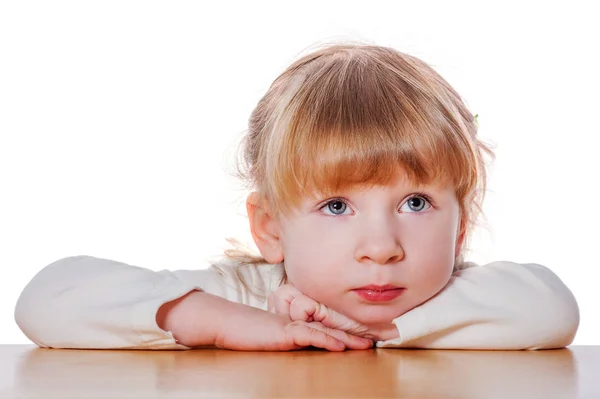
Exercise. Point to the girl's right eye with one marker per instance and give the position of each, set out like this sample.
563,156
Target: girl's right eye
336,207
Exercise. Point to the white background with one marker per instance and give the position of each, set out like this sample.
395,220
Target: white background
118,121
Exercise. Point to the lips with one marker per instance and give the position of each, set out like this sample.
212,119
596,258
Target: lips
379,293
378,287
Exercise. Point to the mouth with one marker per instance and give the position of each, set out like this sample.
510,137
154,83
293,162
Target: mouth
379,293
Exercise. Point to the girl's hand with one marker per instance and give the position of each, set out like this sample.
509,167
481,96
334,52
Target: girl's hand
247,328
288,300
200,319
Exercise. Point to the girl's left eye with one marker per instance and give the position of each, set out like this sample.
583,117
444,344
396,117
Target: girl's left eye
417,203
335,207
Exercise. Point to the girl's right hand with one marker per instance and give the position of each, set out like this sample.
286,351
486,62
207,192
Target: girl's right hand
253,329
288,300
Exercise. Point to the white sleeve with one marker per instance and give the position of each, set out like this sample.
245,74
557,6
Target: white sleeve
93,303
502,305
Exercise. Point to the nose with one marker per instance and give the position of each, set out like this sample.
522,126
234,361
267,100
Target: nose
380,244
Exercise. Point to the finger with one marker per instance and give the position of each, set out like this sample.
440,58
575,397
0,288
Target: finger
304,335
350,341
303,308
282,297
333,319
307,309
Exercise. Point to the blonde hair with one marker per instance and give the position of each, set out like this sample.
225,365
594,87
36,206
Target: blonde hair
350,114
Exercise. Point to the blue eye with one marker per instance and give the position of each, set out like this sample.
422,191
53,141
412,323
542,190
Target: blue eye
335,206
417,203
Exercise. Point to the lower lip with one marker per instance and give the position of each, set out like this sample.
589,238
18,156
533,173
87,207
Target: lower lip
380,296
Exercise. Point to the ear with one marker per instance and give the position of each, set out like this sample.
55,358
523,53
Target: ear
264,229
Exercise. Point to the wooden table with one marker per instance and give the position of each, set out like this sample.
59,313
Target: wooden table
30,372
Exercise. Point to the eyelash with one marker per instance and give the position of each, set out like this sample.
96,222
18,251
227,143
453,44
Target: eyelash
417,194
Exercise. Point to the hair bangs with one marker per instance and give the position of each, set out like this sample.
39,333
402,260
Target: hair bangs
346,128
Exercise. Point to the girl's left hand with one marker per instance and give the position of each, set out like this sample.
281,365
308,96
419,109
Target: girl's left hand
288,300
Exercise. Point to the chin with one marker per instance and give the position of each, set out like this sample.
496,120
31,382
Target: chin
377,314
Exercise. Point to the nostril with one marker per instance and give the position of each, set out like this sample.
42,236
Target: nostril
393,259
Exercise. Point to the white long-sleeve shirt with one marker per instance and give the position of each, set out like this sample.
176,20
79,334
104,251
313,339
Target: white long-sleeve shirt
95,303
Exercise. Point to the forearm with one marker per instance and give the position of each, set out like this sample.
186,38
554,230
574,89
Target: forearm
503,305
84,302
197,318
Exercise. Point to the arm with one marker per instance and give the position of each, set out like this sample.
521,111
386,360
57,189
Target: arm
89,302
502,305
200,318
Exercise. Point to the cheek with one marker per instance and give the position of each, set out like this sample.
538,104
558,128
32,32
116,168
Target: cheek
440,232
432,249
314,255
434,243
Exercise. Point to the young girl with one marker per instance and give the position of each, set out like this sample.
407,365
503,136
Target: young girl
367,177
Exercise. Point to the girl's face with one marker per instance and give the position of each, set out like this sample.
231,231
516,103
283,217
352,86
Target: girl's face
398,235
